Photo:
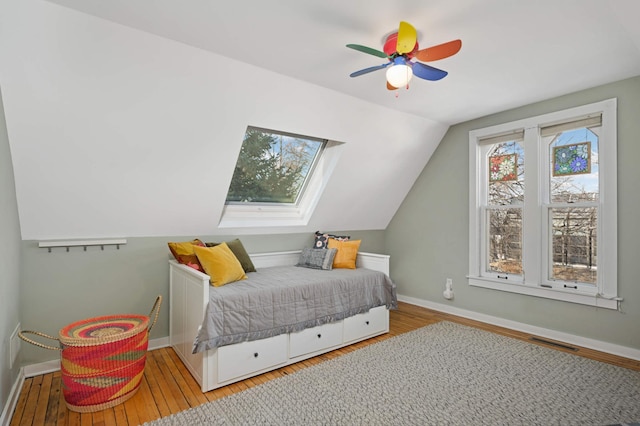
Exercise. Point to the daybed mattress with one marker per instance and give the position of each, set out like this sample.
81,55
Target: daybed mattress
285,299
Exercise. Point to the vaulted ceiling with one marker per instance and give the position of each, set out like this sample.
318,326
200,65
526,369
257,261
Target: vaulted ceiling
514,52
125,118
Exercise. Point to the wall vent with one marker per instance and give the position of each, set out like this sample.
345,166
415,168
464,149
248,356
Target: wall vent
550,343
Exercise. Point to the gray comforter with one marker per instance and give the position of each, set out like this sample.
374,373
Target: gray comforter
285,299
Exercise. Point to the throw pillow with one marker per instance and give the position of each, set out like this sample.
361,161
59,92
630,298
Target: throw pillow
320,240
347,253
317,258
238,249
220,264
184,253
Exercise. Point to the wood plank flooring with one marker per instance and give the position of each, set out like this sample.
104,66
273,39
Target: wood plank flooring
167,386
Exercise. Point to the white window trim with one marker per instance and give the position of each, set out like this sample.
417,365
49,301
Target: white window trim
283,215
605,294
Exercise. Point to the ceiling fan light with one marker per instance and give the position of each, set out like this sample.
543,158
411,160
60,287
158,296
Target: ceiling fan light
399,75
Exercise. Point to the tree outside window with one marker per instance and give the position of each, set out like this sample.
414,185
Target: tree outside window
273,167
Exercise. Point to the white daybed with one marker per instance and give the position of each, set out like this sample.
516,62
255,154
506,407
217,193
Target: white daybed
213,368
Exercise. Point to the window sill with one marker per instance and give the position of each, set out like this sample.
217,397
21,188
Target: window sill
252,216
547,293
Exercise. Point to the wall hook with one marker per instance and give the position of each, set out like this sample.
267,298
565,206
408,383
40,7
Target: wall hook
49,245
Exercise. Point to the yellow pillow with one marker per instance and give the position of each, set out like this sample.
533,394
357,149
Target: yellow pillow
347,253
220,264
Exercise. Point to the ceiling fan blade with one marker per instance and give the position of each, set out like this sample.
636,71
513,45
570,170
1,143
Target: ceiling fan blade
368,70
368,50
426,72
407,36
390,44
440,51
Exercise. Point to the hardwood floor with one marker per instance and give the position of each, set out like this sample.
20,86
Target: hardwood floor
167,387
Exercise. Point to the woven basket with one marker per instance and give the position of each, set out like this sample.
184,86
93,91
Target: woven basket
102,358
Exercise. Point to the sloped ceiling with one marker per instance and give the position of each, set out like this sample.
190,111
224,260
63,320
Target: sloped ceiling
126,118
514,52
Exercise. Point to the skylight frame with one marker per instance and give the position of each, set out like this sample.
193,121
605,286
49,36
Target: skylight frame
310,171
269,215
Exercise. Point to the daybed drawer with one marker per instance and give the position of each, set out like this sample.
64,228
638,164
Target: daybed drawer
315,339
249,357
363,325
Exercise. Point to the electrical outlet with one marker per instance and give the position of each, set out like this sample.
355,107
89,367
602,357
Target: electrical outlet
448,290
14,346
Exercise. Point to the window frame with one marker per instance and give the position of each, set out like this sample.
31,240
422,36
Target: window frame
307,176
271,214
536,233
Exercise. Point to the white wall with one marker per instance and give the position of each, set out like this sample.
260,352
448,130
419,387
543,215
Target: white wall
115,132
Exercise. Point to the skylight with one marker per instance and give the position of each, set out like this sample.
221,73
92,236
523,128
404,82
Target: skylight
278,178
273,167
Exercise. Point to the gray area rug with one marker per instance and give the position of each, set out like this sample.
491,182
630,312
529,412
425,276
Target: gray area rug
442,374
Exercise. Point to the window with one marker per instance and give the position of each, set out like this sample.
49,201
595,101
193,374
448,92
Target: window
504,203
277,179
273,167
543,206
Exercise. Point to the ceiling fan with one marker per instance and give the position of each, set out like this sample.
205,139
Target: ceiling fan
399,49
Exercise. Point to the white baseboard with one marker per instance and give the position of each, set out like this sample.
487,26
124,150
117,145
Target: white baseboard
12,401
572,339
162,342
37,369
46,367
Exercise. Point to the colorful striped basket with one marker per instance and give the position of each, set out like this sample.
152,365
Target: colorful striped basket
102,358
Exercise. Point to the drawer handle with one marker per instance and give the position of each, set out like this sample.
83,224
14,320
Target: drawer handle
255,355
319,336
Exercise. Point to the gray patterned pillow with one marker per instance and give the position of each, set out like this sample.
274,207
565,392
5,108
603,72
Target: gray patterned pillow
317,258
321,239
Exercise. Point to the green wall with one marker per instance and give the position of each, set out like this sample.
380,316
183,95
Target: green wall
9,262
428,238
61,287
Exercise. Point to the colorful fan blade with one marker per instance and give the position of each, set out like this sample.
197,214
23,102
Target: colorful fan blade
368,50
390,44
427,73
440,51
407,36
368,70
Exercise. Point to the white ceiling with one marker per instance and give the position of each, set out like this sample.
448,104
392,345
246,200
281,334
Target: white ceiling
109,118
514,52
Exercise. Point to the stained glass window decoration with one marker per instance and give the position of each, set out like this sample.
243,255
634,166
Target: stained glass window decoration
503,168
572,159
